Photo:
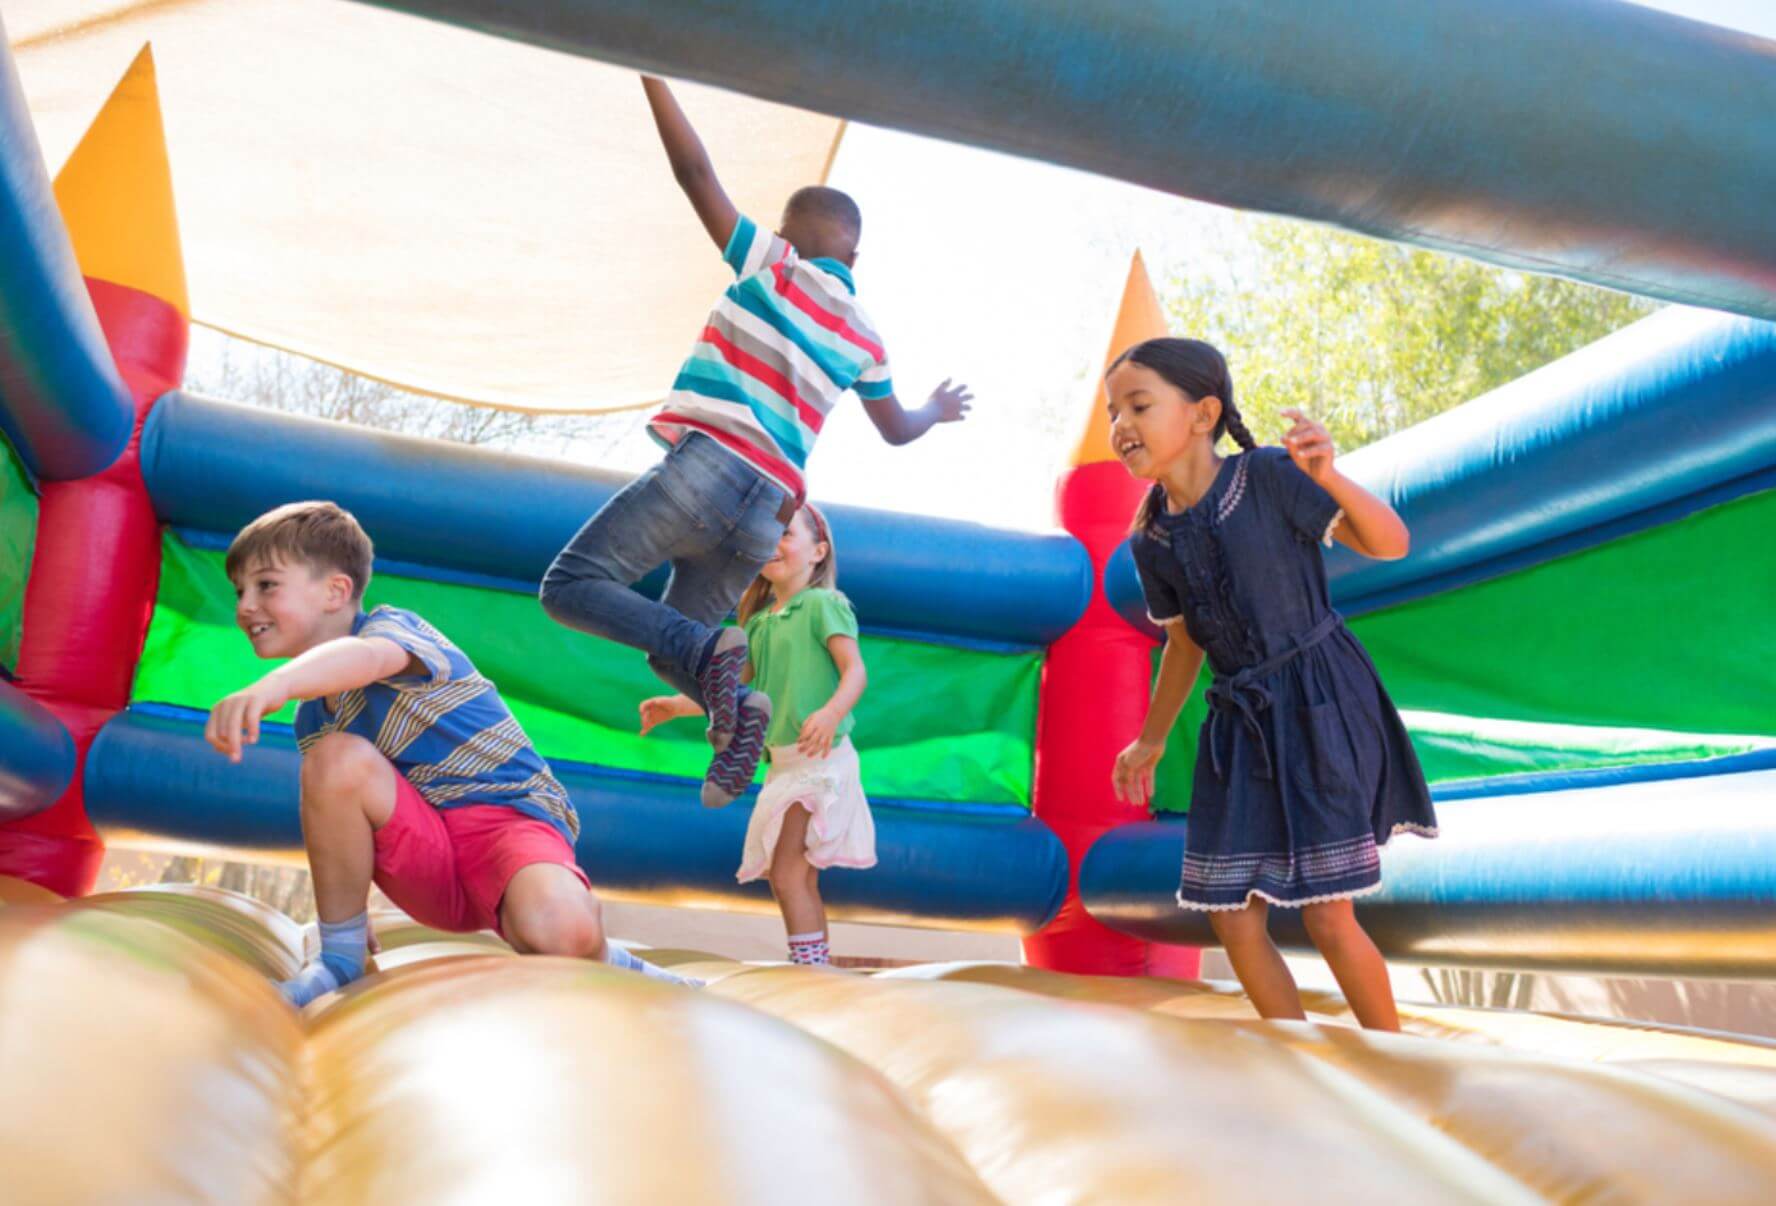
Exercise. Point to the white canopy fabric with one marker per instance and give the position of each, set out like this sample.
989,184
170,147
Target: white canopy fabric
448,212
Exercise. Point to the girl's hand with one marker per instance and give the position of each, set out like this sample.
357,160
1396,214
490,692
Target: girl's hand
816,738
1133,776
661,708
1310,446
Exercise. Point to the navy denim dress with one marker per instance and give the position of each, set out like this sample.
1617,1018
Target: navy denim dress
1303,766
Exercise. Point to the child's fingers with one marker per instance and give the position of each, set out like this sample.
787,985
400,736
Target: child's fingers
253,717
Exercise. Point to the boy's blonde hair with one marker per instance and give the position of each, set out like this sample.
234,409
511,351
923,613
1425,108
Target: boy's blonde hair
826,571
321,535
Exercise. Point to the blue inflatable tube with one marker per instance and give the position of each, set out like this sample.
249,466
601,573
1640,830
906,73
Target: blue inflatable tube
643,838
1462,126
1678,410
504,516
1667,877
62,403
36,755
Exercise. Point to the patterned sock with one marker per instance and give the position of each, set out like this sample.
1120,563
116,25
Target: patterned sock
718,678
616,956
343,948
810,950
730,772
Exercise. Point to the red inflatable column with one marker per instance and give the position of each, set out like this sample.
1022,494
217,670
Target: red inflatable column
1095,683
97,560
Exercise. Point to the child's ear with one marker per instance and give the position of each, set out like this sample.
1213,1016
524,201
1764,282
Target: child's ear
1208,413
339,590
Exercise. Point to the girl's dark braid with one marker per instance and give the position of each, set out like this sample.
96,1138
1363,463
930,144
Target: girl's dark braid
1232,420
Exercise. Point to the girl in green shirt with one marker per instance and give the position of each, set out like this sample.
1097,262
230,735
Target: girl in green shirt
811,812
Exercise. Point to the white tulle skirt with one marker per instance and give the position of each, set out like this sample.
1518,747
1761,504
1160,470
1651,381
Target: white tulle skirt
840,831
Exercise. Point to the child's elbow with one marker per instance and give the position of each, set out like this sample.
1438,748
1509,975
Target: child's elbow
1395,547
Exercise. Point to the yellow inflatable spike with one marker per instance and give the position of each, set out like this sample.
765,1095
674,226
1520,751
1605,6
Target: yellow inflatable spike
1052,1101
540,1079
1139,317
116,194
140,1066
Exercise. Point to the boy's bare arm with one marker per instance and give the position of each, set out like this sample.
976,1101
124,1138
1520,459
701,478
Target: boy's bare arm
327,669
690,163
898,425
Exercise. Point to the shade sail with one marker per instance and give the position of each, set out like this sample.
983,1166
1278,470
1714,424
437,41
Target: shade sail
452,213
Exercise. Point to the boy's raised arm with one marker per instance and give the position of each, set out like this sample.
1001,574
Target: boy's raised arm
327,669
690,163
898,425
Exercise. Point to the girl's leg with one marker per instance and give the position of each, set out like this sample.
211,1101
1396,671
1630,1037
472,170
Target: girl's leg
1256,960
796,884
1358,966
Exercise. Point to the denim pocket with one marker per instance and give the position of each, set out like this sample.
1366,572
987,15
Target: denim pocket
757,528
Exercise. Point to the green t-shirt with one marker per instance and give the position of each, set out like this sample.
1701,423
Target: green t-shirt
791,663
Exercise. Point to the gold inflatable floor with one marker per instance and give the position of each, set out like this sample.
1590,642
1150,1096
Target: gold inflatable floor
145,1057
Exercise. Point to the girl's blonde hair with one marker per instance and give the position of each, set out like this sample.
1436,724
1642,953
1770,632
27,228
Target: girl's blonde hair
826,570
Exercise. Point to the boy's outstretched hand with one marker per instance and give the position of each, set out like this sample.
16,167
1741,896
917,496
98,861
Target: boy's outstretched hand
949,403
235,721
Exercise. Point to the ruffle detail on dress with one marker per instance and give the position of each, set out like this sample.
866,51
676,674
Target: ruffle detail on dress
1331,527
1261,894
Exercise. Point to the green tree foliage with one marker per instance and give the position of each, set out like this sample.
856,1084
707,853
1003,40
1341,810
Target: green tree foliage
1371,337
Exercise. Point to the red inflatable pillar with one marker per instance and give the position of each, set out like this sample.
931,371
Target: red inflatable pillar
1094,690
97,559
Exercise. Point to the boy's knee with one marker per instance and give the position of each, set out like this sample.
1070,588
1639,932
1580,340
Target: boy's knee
550,592
561,927
338,764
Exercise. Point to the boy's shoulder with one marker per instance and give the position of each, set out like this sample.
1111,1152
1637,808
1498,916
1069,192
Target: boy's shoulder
384,618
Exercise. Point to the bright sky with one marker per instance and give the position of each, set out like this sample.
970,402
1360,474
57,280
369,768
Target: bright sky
1004,273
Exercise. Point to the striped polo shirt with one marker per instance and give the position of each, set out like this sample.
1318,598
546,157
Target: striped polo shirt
447,730
786,339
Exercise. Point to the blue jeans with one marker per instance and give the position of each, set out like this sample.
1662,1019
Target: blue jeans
704,510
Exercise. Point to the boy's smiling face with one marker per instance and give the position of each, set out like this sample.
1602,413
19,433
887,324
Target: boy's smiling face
288,607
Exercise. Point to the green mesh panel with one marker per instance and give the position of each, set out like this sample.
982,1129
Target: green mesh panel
937,723
1652,648
18,532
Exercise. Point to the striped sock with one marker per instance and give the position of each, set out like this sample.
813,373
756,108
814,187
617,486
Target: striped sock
810,950
616,956
343,946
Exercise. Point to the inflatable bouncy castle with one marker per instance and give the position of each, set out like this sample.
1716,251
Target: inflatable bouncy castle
1579,644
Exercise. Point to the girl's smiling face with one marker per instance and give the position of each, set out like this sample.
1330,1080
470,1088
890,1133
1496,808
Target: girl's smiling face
798,552
1152,421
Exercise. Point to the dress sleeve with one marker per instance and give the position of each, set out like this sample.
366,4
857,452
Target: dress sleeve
831,616
1163,605
752,248
1304,503
415,641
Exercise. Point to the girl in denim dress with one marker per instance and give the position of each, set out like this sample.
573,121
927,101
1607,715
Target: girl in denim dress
1303,767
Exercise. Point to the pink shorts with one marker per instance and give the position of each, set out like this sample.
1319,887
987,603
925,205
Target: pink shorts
448,868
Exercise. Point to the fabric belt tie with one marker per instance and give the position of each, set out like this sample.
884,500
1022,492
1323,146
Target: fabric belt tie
1242,699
